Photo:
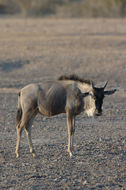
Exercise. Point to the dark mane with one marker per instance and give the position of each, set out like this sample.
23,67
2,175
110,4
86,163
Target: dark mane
75,78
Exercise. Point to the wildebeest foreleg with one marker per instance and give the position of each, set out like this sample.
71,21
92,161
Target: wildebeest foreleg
72,132
69,127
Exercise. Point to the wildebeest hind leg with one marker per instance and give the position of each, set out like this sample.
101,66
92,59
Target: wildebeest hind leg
28,131
25,123
19,132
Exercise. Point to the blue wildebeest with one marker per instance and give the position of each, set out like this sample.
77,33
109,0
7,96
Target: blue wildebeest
68,94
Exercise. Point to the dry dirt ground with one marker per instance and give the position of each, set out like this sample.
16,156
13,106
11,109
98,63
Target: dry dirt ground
33,50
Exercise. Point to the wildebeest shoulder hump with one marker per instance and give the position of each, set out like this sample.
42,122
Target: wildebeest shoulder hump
74,78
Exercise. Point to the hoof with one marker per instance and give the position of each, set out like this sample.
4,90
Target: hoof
17,155
70,153
34,155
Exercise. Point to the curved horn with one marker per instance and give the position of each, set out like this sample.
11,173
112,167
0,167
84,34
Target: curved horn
105,85
93,86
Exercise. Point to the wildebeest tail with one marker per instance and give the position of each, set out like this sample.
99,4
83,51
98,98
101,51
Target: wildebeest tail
19,111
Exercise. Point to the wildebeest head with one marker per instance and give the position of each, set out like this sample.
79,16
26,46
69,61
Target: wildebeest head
99,94
94,102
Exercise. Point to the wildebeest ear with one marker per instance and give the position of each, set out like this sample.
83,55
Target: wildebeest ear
110,92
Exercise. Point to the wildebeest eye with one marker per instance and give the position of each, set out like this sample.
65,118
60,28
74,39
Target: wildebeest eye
94,97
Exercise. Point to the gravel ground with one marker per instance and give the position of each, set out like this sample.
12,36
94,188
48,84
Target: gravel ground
33,50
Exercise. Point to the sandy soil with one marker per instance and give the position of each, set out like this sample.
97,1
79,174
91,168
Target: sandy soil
33,50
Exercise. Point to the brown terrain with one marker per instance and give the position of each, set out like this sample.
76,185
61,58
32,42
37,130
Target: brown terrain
33,50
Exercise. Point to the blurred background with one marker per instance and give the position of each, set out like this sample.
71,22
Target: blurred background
63,8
